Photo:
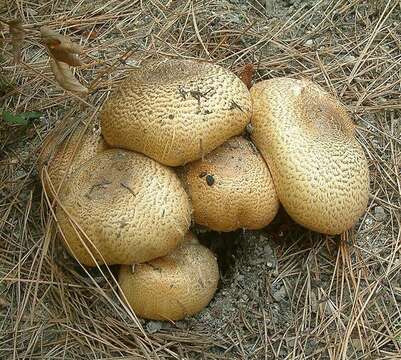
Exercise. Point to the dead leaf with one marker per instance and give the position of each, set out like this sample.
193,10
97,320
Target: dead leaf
65,77
61,47
90,34
17,34
3,302
247,75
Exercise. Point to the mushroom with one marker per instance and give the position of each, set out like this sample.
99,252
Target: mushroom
176,111
231,188
308,140
60,157
172,287
122,207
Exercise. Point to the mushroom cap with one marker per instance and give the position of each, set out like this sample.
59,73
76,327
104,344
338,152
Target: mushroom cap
174,286
62,156
308,140
176,111
231,188
132,209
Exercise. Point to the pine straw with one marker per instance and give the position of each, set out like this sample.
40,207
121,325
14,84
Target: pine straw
344,294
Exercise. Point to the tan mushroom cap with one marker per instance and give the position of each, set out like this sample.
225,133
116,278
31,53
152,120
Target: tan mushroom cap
61,157
176,111
132,209
318,167
172,287
231,188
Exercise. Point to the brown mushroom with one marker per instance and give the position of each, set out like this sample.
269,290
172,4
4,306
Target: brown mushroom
176,111
174,286
60,156
122,207
231,188
318,167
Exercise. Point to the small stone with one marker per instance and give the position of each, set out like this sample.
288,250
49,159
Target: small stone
257,261
183,325
369,221
154,326
380,214
268,251
309,43
269,265
280,294
349,58
235,18
132,62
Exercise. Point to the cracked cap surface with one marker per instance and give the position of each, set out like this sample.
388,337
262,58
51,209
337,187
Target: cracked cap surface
63,159
231,188
174,286
176,111
318,167
132,208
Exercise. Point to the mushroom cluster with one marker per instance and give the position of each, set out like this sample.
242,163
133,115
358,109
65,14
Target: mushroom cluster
171,154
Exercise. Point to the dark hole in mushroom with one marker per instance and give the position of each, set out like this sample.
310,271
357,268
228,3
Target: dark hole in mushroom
210,180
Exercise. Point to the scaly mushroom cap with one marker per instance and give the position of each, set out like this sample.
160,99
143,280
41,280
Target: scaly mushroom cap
307,139
176,111
231,188
132,209
61,157
172,287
